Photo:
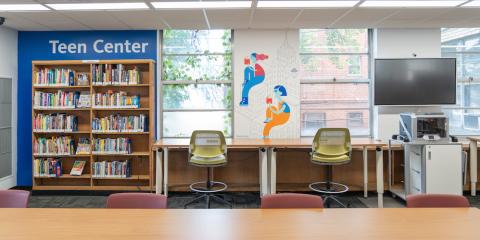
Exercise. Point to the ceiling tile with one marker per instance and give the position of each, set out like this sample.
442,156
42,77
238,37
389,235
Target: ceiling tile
318,18
229,18
273,18
97,20
141,20
184,19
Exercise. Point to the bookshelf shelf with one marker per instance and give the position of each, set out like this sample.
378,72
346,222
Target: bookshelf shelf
123,154
120,133
60,132
66,176
62,87
121,86
132,177
140,74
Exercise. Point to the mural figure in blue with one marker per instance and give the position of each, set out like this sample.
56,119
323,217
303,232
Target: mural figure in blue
253,75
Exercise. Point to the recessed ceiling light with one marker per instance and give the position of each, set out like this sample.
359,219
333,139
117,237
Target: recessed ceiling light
305,4
411,3
22,7
202,5
98,6
472,4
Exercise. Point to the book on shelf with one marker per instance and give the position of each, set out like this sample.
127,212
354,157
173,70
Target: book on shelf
77,168
63,145
113,169
55,77
82,79
55,122
115,74
83,146
118,123
112,99
47,167
84,100
60,99
112,146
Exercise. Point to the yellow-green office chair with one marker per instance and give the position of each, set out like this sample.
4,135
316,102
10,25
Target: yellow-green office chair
331,146
208,149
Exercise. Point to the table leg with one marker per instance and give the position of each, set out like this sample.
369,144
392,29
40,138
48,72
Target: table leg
473,167
263,166
165,171
273,170
365,172
379,170
159,172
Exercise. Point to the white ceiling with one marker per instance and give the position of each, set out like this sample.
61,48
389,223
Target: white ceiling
238,18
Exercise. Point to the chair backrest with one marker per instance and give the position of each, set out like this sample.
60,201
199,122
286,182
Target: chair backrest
137,201
436,201
14,198
291,200
207,143
332,142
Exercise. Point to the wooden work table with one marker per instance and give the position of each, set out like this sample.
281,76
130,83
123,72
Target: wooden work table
212,224
267,149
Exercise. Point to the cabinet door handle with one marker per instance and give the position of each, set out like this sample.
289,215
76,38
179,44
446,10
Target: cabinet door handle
429,155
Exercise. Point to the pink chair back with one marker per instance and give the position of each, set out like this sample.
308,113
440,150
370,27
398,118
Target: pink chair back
437,201
14,198
137,201
291,200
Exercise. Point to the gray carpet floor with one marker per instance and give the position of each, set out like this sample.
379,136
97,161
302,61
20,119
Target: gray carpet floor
178,199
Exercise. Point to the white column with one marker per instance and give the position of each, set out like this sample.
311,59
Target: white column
263,168
165,171
473,167
365,171
379,171
273,170
158,170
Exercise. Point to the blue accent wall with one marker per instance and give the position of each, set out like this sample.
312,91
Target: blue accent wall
36,45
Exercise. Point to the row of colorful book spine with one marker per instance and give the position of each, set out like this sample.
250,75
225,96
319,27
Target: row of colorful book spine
47,167
117,123
115,74
120,169
115,99
55,77
60,99
54,146
56,122
112,146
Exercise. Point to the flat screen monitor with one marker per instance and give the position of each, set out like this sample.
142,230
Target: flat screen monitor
415,81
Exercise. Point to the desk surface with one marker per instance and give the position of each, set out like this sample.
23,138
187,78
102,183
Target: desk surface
332,224
251,142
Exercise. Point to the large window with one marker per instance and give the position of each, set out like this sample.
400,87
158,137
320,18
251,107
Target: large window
196,81
464,45
335,81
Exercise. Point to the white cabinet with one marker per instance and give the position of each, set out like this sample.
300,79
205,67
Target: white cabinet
443,169
433,168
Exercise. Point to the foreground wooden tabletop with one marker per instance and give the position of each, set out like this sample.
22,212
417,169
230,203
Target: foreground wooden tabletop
116,224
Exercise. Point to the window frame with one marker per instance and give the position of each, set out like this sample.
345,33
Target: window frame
360,80
462,82
162,82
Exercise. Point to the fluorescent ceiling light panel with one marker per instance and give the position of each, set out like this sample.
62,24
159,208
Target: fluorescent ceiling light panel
306,4
98,6
472,4
202,5
411,3
22,7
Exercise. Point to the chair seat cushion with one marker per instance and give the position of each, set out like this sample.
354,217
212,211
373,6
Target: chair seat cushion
219,159
330,159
